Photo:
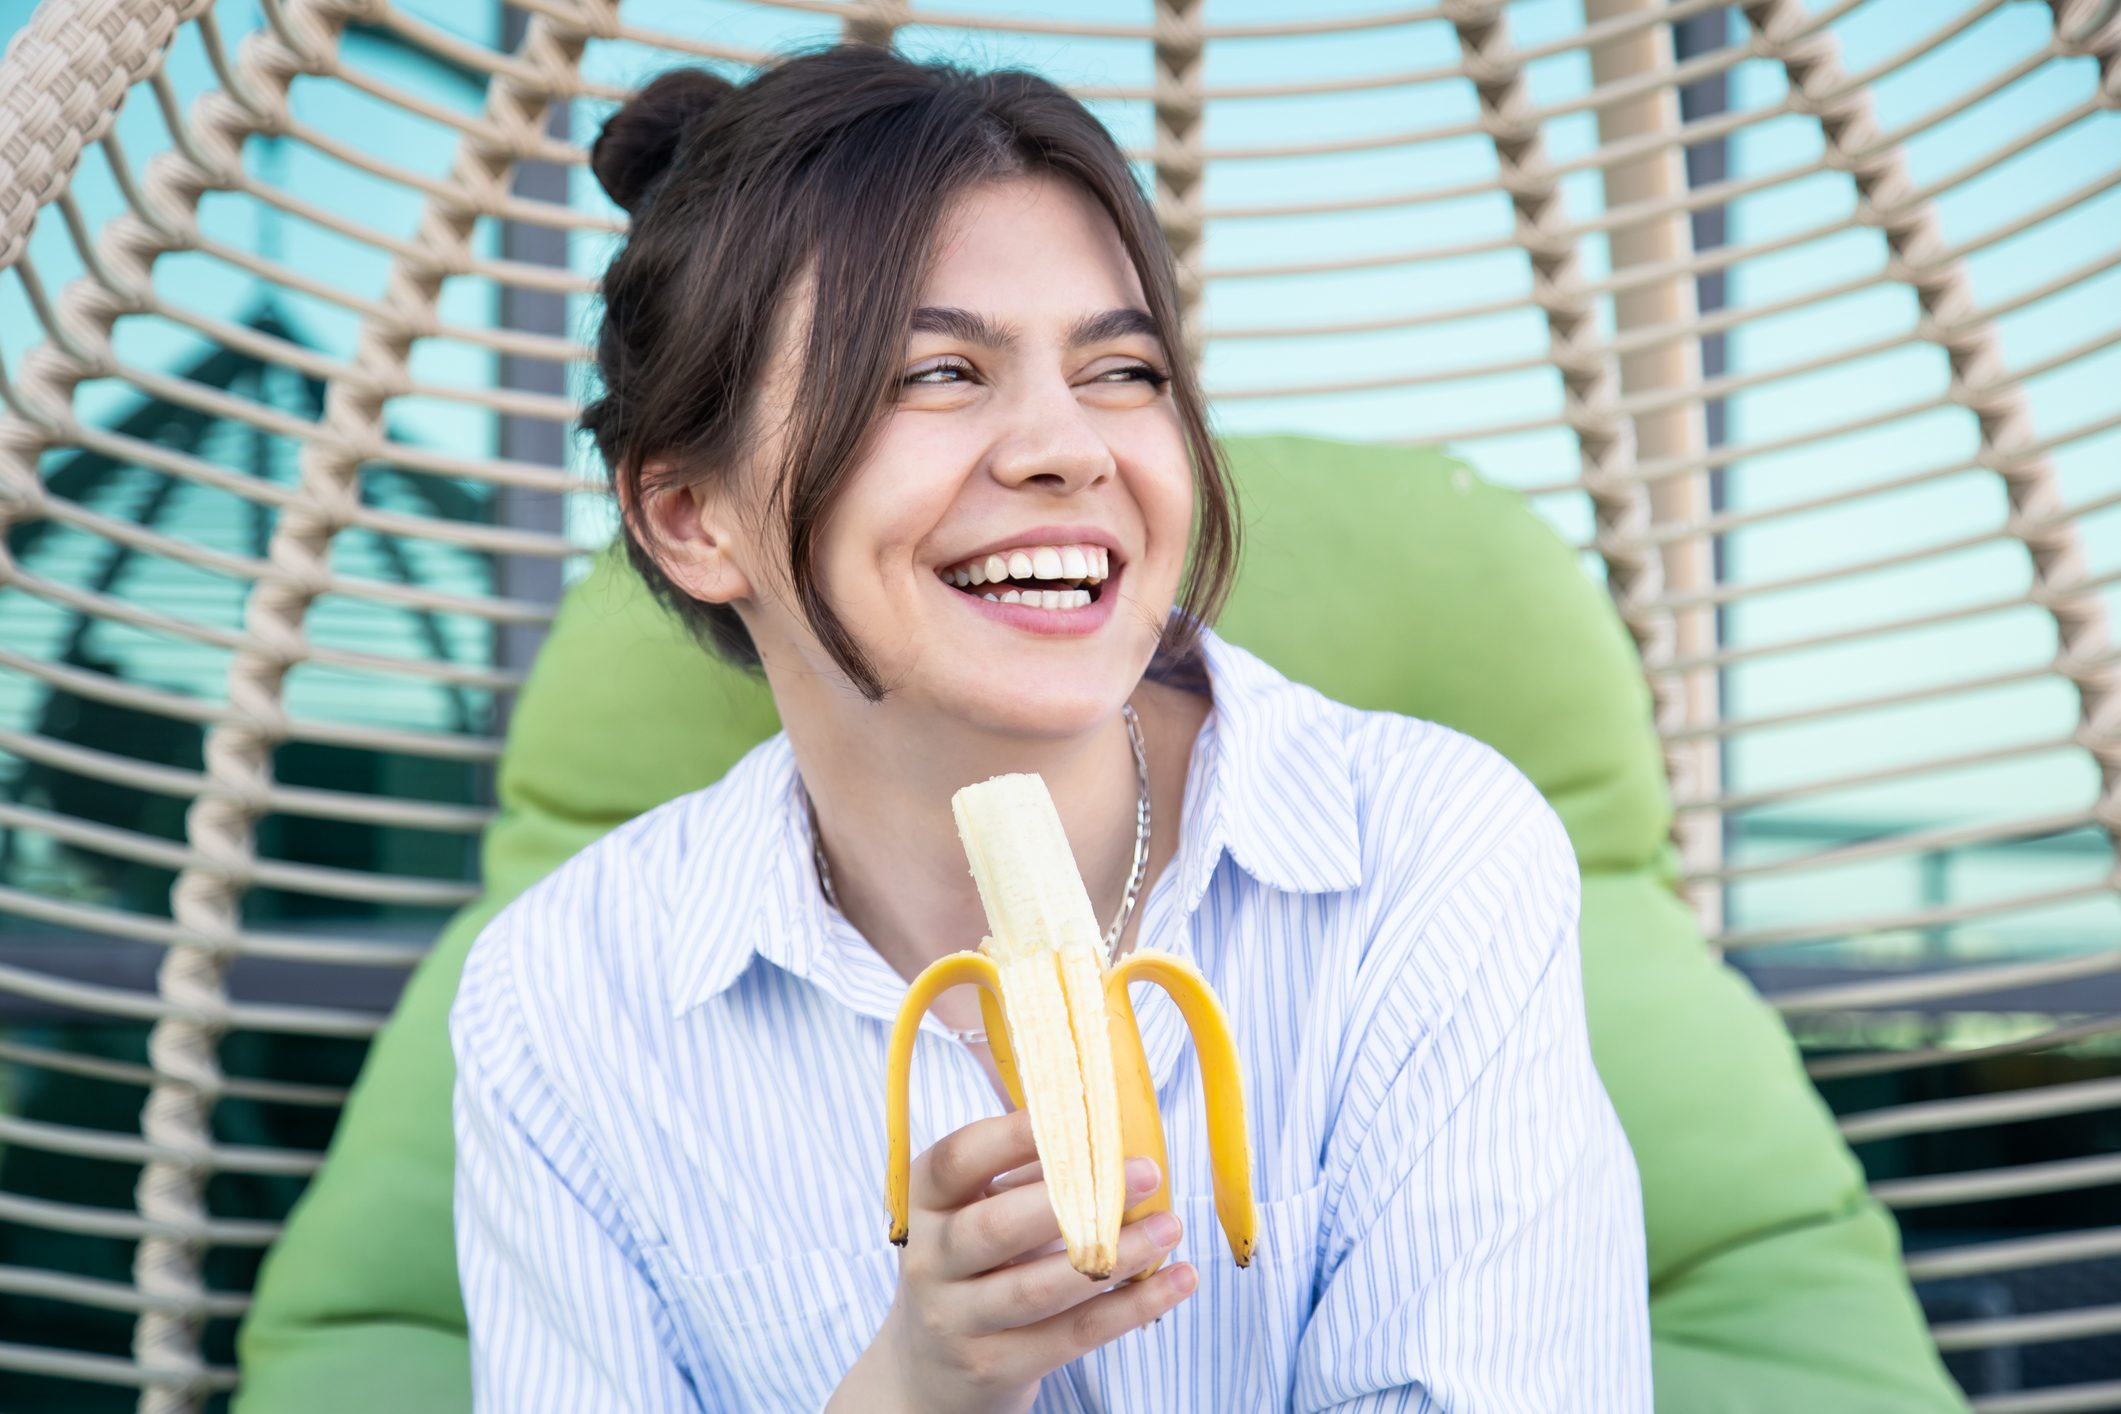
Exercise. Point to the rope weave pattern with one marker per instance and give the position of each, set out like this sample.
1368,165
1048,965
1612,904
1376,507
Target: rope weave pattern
238,750
1590,382
66,74
61,85
1980,379
1181,169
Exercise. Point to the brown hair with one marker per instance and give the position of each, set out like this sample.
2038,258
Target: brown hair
837,162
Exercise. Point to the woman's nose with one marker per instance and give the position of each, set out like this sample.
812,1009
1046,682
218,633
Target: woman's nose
1051,441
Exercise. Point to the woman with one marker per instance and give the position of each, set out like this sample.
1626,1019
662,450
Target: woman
891,345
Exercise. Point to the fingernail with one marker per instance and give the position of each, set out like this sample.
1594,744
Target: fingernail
1141,1174
1182,1278
1162,1229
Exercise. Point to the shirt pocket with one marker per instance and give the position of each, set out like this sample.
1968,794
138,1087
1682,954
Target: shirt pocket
780,1335
1232,1343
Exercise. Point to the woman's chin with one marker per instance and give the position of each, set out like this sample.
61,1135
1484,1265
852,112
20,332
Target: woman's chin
1064,711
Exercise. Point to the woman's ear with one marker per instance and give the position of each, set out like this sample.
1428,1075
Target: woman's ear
691,532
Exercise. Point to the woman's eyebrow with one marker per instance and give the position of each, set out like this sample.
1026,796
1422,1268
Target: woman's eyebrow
976,328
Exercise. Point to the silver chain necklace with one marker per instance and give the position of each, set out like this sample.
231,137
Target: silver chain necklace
976,1036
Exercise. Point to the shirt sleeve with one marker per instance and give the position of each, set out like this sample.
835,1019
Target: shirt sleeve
1485,1245
563,1310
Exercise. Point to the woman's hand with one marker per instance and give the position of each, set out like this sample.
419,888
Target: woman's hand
982,1312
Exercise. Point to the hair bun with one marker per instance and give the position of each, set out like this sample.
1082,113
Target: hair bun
639,140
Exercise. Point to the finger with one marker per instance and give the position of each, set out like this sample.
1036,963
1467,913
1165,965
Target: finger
954,1170
1102,1319
1019,1234
1141,1181
1017,1178
1035,1291
1141,1176
1056,1245
983,1235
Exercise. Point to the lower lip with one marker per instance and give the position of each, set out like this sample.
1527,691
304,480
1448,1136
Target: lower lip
1052,623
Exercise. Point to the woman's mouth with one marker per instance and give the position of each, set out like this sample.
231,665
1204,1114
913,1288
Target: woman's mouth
1058,578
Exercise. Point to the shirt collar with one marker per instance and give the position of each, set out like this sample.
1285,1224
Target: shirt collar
749,891
1271,781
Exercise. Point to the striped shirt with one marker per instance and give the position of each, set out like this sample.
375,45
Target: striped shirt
669,1103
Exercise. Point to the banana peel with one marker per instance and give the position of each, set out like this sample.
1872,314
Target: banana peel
1063,1035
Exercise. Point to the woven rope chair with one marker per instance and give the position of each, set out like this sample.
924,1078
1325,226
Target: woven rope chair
1624,326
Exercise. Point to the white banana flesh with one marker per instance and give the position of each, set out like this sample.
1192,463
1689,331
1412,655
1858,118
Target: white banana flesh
1044,975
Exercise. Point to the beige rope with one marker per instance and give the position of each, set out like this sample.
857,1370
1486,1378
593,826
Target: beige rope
1692,200
103,1295
124,1003
1851,706
286,650
1895,1062
1755,590
1761,515
1988,1185
268,718
1964,981
301,37
411,596
537,147
2026,1330
1605,442
1735,802
117,1222
207,1159
1979,379
1895,846
1781,647
2099,1398
234,871
318,948
944,19
116,280
1918,918
103,1369
1976,1111
2014,1254
277,1092
1178,54
65,75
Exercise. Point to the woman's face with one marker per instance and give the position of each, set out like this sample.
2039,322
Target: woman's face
1033,435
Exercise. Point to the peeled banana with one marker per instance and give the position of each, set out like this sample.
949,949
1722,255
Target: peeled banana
1063,1034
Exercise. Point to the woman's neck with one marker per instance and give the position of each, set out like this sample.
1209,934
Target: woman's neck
882,797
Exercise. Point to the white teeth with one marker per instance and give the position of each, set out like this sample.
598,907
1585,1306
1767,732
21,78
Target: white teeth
1082,562
1055,599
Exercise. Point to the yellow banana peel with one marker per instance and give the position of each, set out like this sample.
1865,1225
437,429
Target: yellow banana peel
1063,1035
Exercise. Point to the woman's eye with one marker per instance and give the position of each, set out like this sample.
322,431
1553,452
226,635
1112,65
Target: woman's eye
926,374
1138,372
1142,373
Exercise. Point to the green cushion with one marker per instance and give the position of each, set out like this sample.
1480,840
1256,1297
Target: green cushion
1775,1281
1395,578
